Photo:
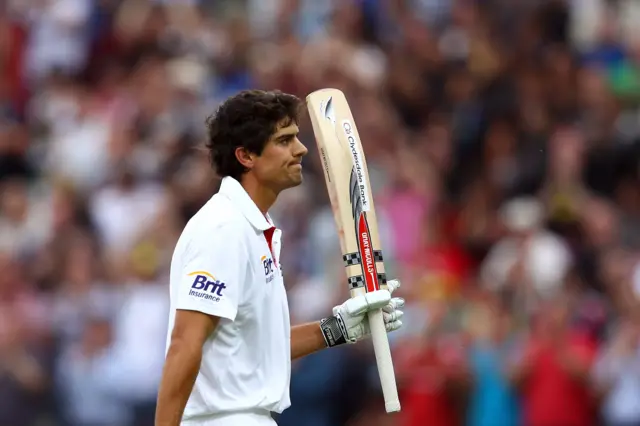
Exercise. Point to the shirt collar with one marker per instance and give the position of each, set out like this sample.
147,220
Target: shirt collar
231,188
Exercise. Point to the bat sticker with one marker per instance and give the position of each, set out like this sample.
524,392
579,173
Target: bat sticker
365,250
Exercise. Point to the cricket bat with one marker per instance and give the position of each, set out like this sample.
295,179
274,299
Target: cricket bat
347,180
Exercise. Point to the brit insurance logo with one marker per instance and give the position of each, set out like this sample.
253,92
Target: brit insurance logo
206,286
267,264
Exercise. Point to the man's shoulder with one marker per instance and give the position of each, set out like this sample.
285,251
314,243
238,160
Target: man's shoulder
217,220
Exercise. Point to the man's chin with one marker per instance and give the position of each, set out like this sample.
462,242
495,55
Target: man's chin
295,180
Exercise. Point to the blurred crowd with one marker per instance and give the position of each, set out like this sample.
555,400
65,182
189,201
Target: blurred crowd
503,143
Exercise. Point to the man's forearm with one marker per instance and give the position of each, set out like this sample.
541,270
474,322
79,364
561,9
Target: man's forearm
346,324
306,339
179,375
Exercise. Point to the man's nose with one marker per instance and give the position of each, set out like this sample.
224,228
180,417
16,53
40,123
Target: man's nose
300,149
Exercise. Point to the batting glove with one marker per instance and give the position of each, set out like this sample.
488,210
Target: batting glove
349,323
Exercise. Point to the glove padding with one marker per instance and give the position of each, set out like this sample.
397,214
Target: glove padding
350,324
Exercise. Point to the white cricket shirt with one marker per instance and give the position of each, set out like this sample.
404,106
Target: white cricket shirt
223,266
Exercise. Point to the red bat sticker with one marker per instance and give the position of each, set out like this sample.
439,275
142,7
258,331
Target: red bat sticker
366,254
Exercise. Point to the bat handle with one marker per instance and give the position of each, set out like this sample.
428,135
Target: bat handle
384,361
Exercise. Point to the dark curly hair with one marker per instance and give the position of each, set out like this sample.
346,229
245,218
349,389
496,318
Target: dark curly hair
247,119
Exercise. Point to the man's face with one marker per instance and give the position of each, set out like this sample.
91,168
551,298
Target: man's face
279,166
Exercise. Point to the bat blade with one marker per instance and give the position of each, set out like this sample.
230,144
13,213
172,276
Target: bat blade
347,180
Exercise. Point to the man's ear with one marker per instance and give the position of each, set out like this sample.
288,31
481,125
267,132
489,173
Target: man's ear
245,157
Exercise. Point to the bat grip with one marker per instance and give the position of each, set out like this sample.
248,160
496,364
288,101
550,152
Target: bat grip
384,361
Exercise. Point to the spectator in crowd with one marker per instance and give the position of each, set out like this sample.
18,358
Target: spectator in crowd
24,355
433,372
616,375
88,395
493,399
554,370
530,261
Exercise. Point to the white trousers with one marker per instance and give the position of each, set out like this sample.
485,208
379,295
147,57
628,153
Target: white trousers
257,418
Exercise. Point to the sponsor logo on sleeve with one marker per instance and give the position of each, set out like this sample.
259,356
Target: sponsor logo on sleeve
206,286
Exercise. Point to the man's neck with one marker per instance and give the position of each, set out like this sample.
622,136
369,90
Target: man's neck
264,197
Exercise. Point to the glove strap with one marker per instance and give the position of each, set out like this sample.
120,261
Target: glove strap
333,331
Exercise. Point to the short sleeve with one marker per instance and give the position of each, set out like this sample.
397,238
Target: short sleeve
213,272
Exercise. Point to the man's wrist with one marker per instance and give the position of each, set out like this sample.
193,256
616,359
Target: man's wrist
333,331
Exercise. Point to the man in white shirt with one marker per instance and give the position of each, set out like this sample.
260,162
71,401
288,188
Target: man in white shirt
230,342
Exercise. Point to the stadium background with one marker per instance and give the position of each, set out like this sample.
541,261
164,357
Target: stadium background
503,142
